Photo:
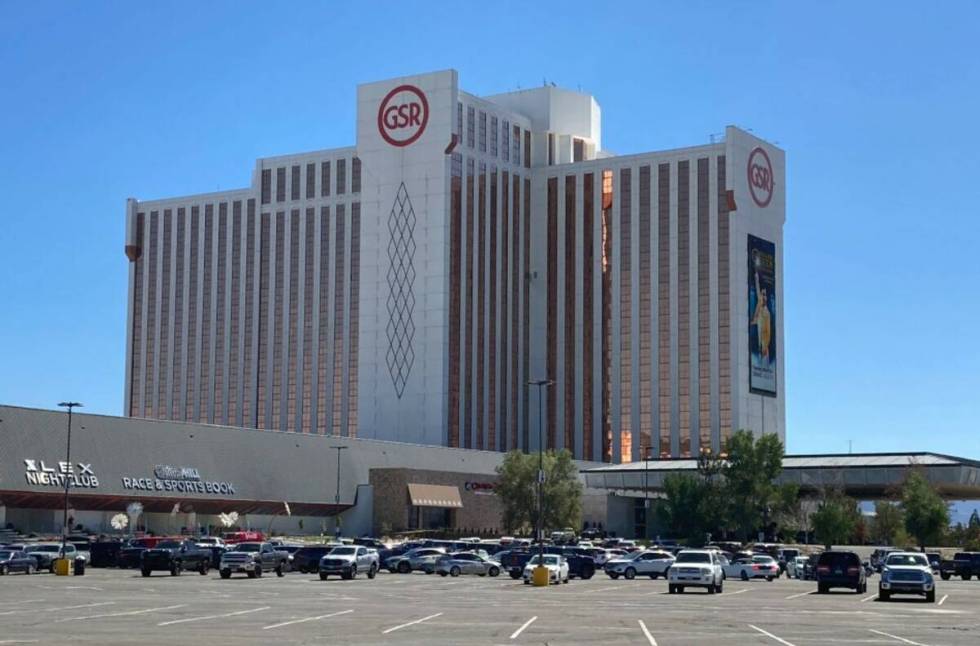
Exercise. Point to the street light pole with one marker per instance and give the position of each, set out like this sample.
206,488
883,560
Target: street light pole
540,383
64,522
336,498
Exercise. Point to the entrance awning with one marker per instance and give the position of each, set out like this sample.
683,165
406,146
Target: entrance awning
426,495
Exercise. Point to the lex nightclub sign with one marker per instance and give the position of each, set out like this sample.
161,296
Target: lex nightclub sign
37,472
177,479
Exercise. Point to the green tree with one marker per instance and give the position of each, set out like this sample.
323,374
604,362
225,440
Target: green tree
835,519
889,519
750,473
682,506
926,513
517,491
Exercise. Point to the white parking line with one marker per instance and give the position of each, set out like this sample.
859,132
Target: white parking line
901,639
304,620
527,623
84,605
411,623
725,594
229,614
607,589
122,614
770,635
646,633
945,596
802,594
869,598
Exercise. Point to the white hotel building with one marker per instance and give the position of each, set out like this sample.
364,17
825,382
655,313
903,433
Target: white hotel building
407,288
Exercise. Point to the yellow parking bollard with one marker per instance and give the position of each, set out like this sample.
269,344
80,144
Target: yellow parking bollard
64,567
540,576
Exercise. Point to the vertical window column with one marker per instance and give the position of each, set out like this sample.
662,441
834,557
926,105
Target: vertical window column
588,318
552,324
647,404
665,383
570,301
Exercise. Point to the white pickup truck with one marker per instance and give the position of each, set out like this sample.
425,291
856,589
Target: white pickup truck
348,561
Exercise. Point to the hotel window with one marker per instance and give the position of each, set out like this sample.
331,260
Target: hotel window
551,149
515,151
470,127
578,149
493,136
607,306
163,406
293,320
505,142
527,149
355,175
481,343
294,182
646,322
248,384
233,314
306,355
724,308
569,351
323,414
266,185
149,395
551,361
310,181
324,179
341,176
684,305
220,289
483,131
455,294
137,358
277,334
190,386
261,370
704,303
338,325
204,401
281,184
588,327
666,384
469,313
355,283
626,304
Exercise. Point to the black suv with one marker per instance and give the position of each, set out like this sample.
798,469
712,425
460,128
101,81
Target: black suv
841,570
307,558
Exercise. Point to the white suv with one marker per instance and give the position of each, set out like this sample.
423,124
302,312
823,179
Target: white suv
695,569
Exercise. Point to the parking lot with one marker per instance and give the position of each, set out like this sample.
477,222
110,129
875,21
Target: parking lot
110,606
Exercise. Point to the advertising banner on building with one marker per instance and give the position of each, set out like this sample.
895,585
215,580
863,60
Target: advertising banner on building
762,316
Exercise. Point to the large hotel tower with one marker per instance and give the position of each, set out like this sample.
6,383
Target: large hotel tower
409,287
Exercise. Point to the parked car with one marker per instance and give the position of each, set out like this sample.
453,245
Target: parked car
555,563
760,566
176,557
414,559
348,560
907,573
211,541
695,569
785,556
307,558
795,568
16,561
965,565
580,562
45,554
935,560
129,554
878,556
513,561
243,536
810,567
649,563
839,569
466,563
105,553
366,541
253,559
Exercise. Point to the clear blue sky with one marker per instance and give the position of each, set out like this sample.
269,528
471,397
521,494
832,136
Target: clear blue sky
876,105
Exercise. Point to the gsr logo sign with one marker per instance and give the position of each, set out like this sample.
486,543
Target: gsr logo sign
761,182
403,115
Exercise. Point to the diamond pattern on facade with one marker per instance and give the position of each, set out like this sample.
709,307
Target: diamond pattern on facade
401,297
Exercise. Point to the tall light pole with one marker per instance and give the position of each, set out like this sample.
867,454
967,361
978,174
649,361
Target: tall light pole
336,497
67,474
646,491
541,384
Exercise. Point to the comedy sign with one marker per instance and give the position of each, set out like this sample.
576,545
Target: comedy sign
762,316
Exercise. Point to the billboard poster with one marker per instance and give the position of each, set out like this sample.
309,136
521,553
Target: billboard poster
762,316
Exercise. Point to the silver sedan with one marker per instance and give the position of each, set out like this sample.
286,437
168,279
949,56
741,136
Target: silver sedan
466,563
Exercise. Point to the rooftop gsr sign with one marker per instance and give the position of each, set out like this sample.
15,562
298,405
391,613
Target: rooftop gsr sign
403,115
171,479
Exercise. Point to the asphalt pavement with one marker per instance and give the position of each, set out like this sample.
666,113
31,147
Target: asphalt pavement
109,606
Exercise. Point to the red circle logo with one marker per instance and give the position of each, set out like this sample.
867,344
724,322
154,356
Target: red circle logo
761,182
403,115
